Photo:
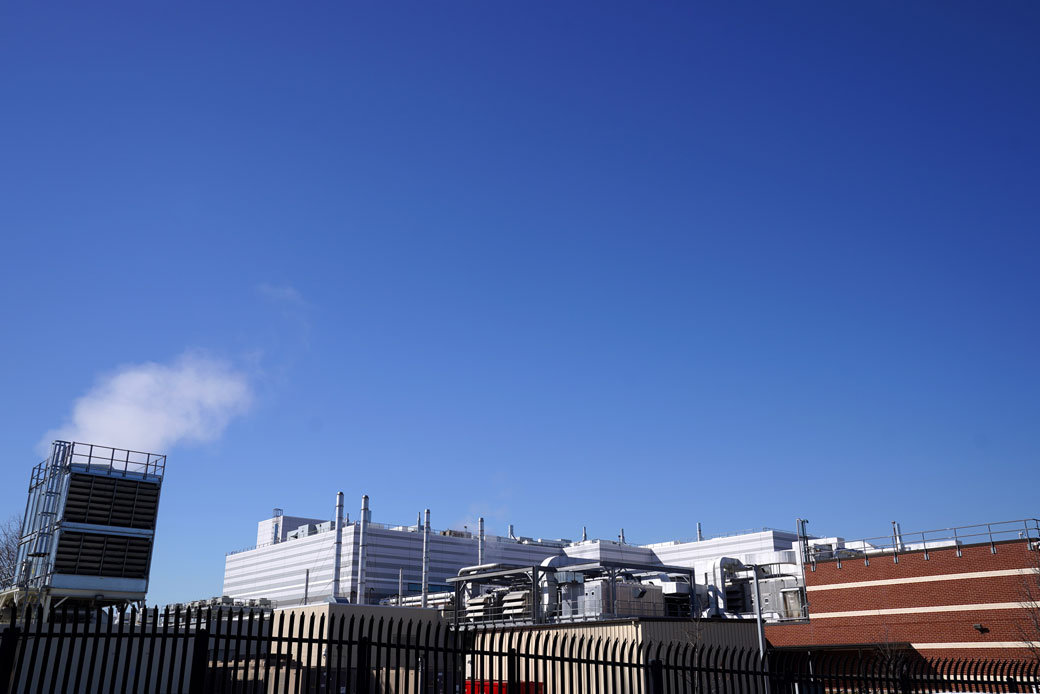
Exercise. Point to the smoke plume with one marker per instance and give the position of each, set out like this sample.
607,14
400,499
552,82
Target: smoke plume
152,407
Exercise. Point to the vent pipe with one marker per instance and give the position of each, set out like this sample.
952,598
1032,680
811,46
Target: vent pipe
700,534
418,521
511,535
802,544
621,536
339,545
897,535
426,557
584,533
362,550
480,540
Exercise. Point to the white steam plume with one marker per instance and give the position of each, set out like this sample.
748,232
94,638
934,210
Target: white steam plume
151,407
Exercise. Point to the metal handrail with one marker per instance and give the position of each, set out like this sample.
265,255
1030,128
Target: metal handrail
983,533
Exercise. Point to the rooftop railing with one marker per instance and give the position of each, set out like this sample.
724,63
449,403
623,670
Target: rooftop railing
899,541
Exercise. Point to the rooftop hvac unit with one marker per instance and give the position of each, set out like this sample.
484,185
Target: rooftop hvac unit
89,524
515,604
479,608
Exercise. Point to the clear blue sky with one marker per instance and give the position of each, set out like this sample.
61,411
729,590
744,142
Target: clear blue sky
562,264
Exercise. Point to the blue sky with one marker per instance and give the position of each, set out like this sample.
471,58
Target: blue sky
560,264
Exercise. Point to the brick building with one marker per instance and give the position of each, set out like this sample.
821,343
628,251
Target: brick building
963,601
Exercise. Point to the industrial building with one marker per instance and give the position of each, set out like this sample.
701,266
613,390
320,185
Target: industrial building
301,560
954,592
971,591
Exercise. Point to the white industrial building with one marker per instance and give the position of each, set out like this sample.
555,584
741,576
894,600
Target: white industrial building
295,562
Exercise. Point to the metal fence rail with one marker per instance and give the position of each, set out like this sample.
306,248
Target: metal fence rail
253,651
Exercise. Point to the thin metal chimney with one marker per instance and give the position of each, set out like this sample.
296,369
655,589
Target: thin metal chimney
897,535
426,557
800,544
584,533
418,521
480,540
621,536
362,550
339,545
511,535
700,534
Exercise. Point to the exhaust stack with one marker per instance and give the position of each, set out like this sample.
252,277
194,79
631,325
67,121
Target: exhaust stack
362,550
480,540
339,545
426,557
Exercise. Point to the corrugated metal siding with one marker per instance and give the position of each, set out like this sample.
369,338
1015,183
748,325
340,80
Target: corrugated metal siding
706,632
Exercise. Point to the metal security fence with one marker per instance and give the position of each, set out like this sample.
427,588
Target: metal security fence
252,651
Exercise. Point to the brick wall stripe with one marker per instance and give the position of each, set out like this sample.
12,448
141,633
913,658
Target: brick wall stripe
977,644
923,579
921,610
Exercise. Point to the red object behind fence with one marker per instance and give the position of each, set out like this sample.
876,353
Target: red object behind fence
488,687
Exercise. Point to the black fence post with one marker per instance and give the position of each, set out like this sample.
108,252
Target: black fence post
1012,684
8,648
656,677
512,673
363,673
199,662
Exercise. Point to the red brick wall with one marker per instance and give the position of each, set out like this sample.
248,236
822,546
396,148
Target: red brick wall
1001,625
1010,555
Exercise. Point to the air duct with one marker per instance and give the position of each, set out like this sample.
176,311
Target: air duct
721,567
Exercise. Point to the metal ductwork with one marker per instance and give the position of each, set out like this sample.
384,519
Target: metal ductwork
717,591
